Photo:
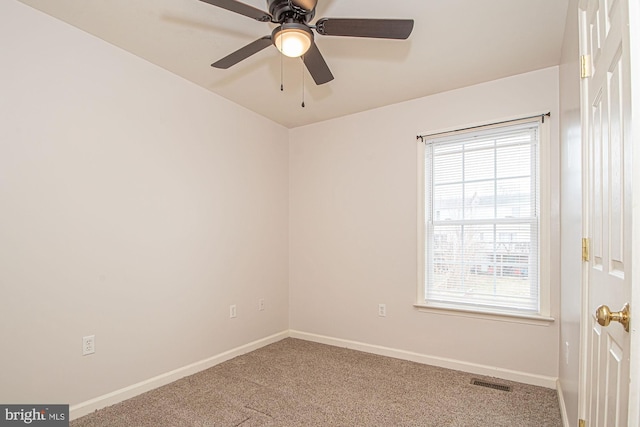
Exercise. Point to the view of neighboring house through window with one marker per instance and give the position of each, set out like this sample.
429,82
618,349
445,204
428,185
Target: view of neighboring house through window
481,218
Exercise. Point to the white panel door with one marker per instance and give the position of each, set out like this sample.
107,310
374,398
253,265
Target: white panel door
608,209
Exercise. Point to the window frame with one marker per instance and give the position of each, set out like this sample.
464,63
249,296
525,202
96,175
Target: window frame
544,243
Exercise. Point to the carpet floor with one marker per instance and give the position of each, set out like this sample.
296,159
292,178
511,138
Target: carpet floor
301,383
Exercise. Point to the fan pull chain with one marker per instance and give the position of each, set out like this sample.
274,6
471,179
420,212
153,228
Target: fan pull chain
303,81
281,69
281,75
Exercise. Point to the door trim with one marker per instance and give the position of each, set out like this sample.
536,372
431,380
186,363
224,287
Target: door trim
634,59
584,302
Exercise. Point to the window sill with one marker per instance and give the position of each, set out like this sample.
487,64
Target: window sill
530,319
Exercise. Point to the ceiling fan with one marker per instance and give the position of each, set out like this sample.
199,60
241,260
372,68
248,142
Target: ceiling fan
293,36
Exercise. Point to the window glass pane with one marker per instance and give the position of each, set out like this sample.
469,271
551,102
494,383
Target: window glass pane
515,263
446,257
480,200
514,161
479,164
514,198
447,202
447,168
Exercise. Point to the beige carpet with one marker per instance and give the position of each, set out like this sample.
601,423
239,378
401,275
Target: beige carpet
300,383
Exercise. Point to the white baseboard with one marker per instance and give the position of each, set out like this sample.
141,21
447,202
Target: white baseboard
459,365
563,405
84,408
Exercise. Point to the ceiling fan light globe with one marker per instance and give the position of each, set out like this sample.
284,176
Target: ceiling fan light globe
293,42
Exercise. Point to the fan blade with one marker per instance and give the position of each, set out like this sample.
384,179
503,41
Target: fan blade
376,28
316,65
241,8
307,5
243,53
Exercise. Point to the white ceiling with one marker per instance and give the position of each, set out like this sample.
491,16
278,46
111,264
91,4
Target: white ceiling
455,43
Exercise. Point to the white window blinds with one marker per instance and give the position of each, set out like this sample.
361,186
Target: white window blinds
482,218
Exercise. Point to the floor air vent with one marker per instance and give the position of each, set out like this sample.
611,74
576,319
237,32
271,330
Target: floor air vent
487,384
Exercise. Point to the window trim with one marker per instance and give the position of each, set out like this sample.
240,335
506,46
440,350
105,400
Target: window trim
544,243
530,319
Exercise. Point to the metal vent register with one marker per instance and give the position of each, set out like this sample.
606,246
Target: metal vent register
488,384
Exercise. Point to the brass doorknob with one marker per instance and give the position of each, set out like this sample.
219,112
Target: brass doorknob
604,316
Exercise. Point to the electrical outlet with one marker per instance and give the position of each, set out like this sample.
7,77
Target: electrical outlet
382,310
232,311
88,345
261,304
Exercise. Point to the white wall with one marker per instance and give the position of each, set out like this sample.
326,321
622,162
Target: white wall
134,206
353,229
571,217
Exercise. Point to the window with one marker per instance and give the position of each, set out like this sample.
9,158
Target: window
480,220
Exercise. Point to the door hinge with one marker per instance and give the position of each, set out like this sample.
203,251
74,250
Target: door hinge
585,66
582,423
585,249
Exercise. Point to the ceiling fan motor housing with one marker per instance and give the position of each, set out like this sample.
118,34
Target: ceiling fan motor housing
284,10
